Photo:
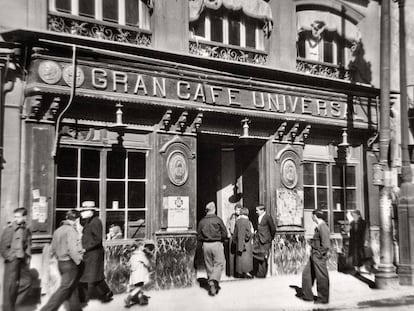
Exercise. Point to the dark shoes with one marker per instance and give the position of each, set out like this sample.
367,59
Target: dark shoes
107,297
304,298
213,287
320,301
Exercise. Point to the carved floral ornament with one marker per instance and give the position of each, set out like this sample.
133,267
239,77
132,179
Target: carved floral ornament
258,9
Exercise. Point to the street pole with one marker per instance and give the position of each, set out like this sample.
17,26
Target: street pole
406,198
386,276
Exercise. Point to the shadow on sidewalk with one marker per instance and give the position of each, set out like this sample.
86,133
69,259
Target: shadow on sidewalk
365,280
299,292
203,282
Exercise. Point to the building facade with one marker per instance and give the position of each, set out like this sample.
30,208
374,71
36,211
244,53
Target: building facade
153,108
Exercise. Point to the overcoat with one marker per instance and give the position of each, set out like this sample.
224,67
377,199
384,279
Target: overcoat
94,252
242,238
357,237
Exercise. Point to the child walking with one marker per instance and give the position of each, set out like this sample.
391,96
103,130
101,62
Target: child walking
139,264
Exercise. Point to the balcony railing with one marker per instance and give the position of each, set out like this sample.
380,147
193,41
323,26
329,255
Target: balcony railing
77,25
227,52
322,69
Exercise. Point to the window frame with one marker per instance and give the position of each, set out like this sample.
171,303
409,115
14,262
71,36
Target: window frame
259,36
103,181
143,12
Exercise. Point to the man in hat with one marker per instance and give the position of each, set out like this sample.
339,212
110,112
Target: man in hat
212,232
67,248
93,273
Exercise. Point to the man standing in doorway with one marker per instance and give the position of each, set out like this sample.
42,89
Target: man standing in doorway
316,267
15,247
262,241
212,232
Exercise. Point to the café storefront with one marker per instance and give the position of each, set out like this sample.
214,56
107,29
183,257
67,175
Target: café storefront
151,140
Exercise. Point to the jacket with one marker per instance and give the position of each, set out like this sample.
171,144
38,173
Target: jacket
321,242
66,243
6,241
266,230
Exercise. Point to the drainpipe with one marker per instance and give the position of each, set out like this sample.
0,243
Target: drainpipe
386,276
406,196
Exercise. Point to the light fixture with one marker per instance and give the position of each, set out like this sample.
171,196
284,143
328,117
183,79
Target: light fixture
245,123
344,143
119,125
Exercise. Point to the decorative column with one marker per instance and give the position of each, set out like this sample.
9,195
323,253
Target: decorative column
386,276
406,199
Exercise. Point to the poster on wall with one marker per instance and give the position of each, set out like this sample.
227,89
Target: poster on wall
289,207
178,212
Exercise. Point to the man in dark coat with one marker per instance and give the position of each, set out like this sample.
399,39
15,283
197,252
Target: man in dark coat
15,247
242,239
93,273
262,241
316,267
358,238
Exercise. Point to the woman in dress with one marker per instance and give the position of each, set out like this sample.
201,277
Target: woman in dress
242,239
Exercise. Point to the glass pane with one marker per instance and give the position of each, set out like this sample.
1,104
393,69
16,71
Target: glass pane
216,27
110,10
338,199
67,162
350,176
328,52
115,225
250,32
63,5
66,194
90,163
321,179
198,27
136,165
89,191
350,199
234,27
60,216
322,198
339,218
136,194
116,164
132,12
87,8
115,194
301,48
308,178
136,224
337,174
309,198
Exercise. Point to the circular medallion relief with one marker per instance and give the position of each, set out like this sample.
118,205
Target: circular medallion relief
289,173
177,168
50,72
68,76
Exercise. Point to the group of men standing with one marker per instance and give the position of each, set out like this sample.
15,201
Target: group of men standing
80,259
212,233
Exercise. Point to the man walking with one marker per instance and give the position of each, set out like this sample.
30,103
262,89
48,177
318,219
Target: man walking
212,232
67,248
316,267
15,247
262,241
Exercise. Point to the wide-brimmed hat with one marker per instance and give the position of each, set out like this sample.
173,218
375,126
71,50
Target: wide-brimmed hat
88,206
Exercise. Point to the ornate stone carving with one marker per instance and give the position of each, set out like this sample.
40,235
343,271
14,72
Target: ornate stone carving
322,69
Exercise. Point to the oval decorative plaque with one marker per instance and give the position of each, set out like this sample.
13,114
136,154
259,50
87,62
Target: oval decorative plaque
68,76
289,173
50,72
177,168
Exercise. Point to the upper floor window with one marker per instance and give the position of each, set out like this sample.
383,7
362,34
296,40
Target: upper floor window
325,35
244,25
123,12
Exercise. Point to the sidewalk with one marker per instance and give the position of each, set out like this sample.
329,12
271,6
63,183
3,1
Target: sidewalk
275,293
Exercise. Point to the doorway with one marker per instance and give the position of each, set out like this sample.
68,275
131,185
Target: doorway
228,172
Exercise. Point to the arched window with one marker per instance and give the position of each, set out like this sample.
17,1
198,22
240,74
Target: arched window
239,23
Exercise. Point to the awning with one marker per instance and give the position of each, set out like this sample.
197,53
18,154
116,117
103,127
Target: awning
258,9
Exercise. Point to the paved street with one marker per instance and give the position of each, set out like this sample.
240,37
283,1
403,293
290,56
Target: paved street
276,293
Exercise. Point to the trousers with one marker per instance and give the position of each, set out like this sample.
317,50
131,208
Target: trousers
68,290
12,274
316,269
214,259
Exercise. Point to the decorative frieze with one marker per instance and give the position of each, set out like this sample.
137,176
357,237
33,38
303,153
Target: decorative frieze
72,25
227,53
322,69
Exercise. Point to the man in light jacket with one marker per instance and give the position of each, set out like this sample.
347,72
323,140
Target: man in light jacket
67,247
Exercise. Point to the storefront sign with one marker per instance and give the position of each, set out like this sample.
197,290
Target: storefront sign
206,90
